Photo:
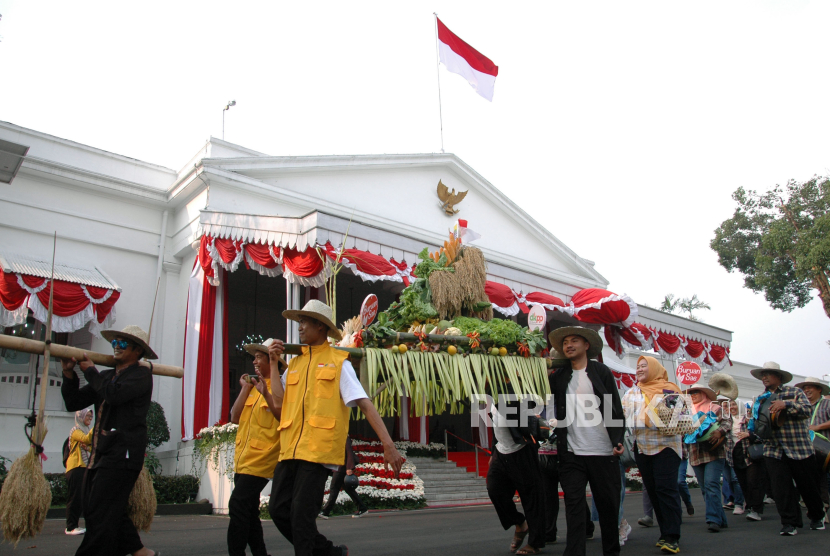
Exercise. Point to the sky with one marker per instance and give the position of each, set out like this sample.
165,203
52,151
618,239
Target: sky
622,127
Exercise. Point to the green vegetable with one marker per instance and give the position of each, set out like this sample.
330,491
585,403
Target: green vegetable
499,331
427,266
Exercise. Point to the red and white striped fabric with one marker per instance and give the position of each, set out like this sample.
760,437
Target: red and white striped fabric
368,266
501,298
205,382
462,59
598,306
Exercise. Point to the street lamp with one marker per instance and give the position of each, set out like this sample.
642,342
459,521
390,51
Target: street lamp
227,107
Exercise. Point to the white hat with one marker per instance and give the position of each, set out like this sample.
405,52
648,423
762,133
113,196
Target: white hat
135,334
263,347
319,311
772,366
813,381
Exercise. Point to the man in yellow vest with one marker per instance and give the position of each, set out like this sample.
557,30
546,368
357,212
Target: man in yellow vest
257,451
314,396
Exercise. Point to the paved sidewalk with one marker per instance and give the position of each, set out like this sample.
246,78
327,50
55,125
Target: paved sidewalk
470,531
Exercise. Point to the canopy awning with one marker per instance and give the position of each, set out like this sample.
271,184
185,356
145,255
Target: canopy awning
82,294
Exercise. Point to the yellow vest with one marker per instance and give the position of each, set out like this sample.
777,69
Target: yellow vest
257,438
75,439
314,421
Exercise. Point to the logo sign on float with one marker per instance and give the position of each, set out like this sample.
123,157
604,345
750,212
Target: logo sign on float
369,309
537,318
689,373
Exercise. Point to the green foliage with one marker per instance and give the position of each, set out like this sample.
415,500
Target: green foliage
780,242
178,489
59,486
688,305
152,462
157,430
427,266
413,306
501,332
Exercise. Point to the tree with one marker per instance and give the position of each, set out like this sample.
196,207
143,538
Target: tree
780,242
672,304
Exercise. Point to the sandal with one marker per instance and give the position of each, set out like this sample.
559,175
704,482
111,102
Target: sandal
518,539
529,550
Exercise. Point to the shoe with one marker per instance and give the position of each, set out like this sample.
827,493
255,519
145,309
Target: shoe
729,505
739,510
670,548
788,531
646,521
622,541
554,541
322,515
76,531
768,500
660,542
589,536
690,509
625,530
359,513
714,528
753,516
817,524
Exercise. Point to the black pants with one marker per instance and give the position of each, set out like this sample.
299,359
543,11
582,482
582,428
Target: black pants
753,480
296,494
603,474
337,480
803,471
659,473
109,530
245,528
520,472
74,504
550,480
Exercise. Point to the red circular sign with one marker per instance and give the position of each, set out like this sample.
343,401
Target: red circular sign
369,310
689,373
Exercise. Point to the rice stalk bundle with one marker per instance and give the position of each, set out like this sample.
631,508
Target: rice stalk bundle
142,502
471,270
25,499
447,296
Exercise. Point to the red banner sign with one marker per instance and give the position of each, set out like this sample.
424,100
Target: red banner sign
689,373
369,309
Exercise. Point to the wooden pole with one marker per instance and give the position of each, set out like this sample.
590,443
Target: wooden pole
33,346
40,432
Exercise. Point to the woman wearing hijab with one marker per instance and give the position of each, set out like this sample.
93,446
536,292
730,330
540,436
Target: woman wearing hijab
658,456
80,439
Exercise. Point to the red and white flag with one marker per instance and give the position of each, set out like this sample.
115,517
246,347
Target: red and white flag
461,58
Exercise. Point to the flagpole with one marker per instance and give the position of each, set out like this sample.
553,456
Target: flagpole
438,72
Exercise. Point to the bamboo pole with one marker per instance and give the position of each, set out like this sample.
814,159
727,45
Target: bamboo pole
40,429
33,346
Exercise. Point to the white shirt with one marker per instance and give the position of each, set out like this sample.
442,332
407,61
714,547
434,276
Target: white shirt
506,444
350,388
586,435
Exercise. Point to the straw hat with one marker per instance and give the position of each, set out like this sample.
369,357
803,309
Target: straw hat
711,394
135,334
263,347
318,311
772,366
813,381
591,336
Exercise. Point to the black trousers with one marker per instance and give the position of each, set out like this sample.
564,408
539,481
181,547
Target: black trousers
109,529
603,474
550,480
803,472
520,472
74,505
296,494
337,481
659,473
753,480
245,528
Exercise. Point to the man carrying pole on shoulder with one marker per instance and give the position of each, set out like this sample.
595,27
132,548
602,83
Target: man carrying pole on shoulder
257,451
315,397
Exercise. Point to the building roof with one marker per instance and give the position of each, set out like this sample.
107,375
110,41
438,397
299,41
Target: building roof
23,264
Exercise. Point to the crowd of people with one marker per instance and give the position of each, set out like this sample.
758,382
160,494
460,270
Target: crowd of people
293,429
740,459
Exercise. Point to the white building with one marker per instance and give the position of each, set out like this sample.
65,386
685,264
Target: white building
131,225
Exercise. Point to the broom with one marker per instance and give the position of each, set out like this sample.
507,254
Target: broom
142,503
26,494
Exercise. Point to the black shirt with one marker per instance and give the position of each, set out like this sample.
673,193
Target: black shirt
121,404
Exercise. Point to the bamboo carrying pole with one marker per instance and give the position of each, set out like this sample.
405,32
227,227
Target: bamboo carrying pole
33,346
40,430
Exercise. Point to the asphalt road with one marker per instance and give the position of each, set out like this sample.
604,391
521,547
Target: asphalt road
455,531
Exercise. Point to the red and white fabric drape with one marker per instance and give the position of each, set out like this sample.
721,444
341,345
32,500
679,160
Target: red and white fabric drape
205,383
509,302
74,305
640,336
414,429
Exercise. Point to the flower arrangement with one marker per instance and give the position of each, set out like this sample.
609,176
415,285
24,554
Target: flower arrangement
211,444
412,449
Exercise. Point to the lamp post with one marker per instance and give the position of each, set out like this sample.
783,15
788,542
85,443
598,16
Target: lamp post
227,107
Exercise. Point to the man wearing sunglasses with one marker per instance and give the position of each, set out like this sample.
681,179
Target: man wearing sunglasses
121,397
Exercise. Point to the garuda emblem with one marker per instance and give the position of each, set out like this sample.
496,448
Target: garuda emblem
449,198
